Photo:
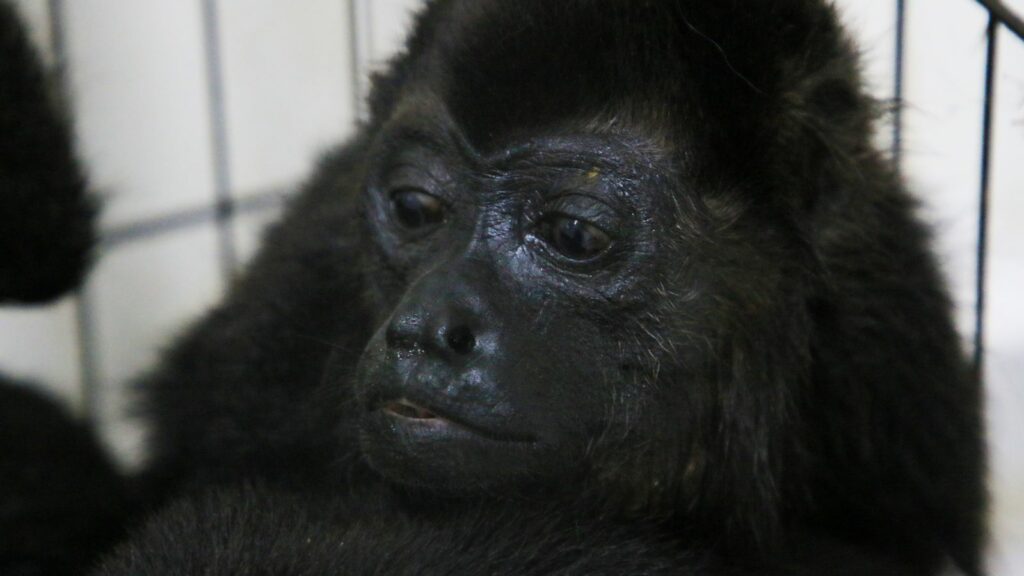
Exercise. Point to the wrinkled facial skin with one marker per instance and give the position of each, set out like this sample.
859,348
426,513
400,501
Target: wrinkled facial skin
510,288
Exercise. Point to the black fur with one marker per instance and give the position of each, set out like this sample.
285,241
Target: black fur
779,363
61,500
256,531
46,233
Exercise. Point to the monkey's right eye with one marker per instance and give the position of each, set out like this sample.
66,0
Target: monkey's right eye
416,209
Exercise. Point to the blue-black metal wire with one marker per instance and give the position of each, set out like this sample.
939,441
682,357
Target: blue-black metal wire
224,204
359,42
983,203
898,72
191,218
1005,16
85,330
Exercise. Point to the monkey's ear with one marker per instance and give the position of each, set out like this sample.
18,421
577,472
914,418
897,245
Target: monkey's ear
46,214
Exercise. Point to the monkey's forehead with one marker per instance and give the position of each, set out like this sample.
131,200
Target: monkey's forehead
517,67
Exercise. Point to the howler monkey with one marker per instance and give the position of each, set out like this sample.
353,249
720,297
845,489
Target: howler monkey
636,264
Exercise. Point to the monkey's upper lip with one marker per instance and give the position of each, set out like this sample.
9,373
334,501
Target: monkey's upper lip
416,413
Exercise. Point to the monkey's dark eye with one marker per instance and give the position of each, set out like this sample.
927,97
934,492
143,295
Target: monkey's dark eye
574,238
416,208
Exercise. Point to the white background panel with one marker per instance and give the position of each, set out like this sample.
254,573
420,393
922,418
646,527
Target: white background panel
390,20
944,97
288,87
140,103
41,344
140,297
1005,311
381,27
37,14
873,24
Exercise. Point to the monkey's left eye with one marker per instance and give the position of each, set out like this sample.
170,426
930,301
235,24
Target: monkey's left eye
416,208
574,238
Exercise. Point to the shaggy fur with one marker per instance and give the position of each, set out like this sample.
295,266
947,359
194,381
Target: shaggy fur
258,531
61,501
46,234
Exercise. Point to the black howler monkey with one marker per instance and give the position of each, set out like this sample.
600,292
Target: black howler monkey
634,264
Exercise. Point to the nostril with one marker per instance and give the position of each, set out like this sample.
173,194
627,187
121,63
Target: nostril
402,331
460,339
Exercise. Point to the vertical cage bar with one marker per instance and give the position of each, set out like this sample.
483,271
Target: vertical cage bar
983,205
898,74
360,42
88,358
58,44
85,326
224,204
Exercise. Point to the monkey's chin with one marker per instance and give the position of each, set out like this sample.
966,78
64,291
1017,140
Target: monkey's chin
423,449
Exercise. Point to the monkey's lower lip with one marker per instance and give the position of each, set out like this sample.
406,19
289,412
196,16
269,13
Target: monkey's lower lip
417,416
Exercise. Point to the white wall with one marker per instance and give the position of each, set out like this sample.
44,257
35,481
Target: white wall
140,95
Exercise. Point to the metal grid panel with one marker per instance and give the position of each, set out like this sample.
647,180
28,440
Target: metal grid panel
1000,16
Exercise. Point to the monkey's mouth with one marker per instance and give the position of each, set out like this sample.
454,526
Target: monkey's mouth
411,414
430,444
403,408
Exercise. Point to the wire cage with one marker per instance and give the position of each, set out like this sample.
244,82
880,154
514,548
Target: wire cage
999,16
362,46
